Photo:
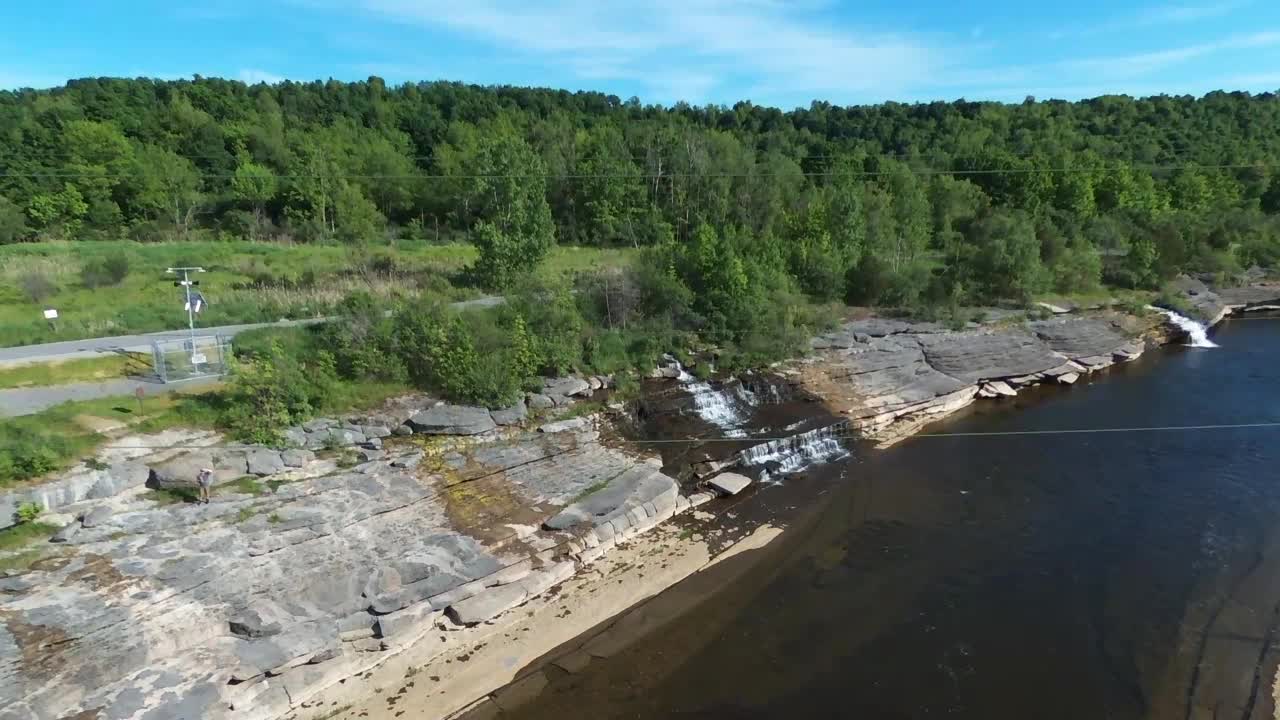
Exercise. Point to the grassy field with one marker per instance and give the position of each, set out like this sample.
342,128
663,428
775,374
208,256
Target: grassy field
70,371
245,282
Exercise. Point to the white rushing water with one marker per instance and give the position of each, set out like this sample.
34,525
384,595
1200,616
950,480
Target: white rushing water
727,408
797,452
1197,334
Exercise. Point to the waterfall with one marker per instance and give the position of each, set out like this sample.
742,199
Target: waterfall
727,408
1197,335
797,452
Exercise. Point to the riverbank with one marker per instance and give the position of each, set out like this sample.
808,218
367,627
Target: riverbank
330,577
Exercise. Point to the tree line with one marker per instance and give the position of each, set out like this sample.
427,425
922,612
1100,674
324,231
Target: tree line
887,204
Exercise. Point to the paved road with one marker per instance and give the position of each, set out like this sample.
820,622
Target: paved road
71,349
26,401
92,347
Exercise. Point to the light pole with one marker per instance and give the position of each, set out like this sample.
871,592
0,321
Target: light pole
186,282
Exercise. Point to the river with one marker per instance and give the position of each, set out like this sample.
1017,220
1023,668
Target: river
1124,575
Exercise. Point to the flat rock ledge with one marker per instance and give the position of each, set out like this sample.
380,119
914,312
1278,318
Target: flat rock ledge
251,605
891,376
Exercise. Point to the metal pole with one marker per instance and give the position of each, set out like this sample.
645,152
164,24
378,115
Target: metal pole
191,315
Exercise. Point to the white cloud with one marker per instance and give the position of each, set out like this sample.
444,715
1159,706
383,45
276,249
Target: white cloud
668,45
1140,64
253,77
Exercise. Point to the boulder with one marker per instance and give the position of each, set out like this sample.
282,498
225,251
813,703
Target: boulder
1068,378
67,532
402,431
537,401
488,604
375,431
566,387
513,415
729,483
373,443
452,420
345,437
319,424
297,458
1001,388
294,437
118,478
263,462
369,454
96,517
180,472
595,383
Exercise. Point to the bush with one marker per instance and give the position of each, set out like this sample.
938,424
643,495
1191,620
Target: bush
37,286
28,512
272,391
103,271
28,450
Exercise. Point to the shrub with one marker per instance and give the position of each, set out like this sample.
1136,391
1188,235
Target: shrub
36,286
28,512
271,391
103,271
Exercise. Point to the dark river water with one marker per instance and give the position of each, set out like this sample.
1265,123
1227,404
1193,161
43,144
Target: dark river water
1124,575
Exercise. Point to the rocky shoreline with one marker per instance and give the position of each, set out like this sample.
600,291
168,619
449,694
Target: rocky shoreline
401,533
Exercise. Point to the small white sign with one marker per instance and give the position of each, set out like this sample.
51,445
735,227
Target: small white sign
199,359
50,314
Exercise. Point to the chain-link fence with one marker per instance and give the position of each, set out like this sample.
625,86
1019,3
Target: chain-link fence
178,359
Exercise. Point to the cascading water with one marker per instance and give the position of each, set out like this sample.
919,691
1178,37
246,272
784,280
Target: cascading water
728,408
1197,335
793,454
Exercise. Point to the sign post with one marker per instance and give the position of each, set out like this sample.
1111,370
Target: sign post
51,315
140,393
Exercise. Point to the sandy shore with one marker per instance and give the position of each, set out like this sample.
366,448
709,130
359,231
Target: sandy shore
600,611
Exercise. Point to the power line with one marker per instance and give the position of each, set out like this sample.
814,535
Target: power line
784,438
56,175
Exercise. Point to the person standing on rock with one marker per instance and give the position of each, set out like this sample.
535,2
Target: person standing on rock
204,479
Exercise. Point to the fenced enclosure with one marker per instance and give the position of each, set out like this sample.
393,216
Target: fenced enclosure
178,359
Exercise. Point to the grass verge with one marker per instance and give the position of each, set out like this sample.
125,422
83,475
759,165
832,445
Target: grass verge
71,371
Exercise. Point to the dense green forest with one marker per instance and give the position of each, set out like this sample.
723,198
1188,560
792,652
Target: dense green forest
734,225
891,204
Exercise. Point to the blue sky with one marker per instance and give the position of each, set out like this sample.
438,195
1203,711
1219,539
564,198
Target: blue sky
774,52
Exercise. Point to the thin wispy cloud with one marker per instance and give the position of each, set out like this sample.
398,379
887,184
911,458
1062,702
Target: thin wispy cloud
667,44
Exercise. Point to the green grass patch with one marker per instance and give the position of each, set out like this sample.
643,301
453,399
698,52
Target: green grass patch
20,536
56,438
172,496
21,561
249,485
245,514
590,490
70,371
246,282
274,518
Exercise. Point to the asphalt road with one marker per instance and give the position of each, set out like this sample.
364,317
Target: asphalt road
71,349
26,401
